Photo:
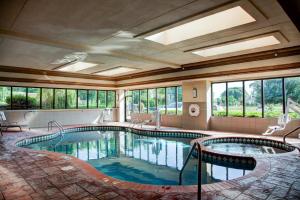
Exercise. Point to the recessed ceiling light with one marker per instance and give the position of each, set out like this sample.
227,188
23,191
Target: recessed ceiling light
77,66
238,46
226,19
115,71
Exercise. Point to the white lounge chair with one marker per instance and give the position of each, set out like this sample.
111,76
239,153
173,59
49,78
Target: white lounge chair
283,120
5,124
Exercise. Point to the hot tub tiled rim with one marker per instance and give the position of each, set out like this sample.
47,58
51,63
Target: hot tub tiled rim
261,169
292,149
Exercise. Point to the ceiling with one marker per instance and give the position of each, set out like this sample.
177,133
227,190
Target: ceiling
35,33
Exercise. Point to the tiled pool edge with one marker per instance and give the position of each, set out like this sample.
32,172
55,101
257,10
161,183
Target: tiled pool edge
260,170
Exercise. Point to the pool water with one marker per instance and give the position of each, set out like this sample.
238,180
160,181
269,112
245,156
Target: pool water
141,159
242,148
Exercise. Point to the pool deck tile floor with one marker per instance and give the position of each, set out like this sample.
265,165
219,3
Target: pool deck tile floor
27,174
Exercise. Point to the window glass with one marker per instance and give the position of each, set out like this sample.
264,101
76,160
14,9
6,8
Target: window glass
143,102
219,99
171,100
18,98
92,98
292,90
111,99
128,98
47,98
5,98
235,99
71,98
136,100
60,98
34,97
273,97
179,100
151,100
82,99
161,100
101,99
253,104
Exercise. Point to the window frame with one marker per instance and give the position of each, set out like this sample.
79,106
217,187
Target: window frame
283,88
147,110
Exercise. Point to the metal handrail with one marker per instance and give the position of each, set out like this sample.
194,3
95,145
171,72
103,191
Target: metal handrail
196,144
290,133
58,124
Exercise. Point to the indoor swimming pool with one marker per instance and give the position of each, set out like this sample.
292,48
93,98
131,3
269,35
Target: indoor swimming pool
135,158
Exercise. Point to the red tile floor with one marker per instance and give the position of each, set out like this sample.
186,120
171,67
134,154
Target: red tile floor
27,174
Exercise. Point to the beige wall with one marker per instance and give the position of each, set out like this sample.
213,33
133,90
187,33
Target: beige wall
166,120
250,125
40,118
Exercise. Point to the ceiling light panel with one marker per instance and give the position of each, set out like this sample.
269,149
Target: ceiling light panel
77,66
238,46
115,71
223,20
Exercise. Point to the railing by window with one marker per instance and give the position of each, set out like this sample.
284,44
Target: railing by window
254,98
16,97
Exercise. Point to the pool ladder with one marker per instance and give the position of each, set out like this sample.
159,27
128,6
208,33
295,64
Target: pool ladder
57,124
199,156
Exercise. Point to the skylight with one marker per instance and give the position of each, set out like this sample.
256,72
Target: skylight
238,46
226,19
77,66
115,71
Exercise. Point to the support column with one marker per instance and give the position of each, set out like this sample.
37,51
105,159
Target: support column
200,122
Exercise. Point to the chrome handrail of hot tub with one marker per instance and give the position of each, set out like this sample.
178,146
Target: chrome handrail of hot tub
196,144
285,135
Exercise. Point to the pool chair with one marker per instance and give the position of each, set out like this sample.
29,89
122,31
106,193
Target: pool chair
4,124
284,119
137,121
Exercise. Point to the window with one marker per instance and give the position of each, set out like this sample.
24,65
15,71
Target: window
253,104
128,101
19,98
34,98
273,97
5,98
179,100
47,98
151,100
82,99
111,99
136,101
143,102
161,100
292,91
60,98
167,100
92,98
71,98
235,99
171,101
101,99
261,98
219,99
